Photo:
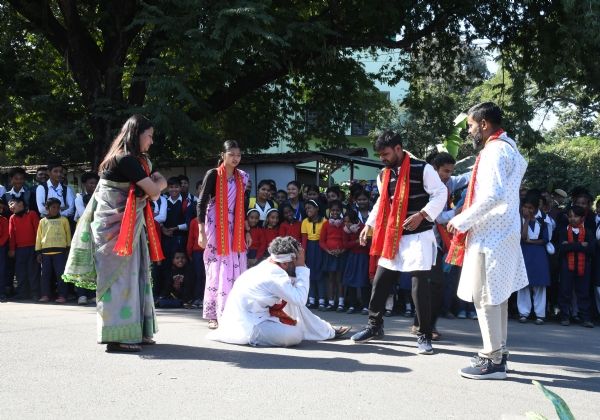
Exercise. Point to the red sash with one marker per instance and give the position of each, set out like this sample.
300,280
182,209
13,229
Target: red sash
277,311
456,253
580,255
124,245
390,224
239,243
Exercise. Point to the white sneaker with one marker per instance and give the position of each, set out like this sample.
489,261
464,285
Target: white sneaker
92,300
82,301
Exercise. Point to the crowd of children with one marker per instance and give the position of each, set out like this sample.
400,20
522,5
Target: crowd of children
560,244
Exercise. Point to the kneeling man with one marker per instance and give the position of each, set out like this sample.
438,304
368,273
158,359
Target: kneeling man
266,306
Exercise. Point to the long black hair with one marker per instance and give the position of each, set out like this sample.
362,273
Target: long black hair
127,142
227,146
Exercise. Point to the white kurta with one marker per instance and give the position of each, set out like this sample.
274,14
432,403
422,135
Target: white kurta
255,291
416,252
493,222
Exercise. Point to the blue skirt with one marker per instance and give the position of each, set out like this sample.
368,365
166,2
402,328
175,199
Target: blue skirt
536,264
314,259
356,273
331,263
251,253
406,281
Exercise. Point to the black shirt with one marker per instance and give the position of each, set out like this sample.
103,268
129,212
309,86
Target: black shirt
127,169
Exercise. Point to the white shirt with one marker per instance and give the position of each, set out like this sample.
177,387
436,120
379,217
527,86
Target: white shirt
40,196
13,192
494,223
182,226
416,252
251,296
3,190
79,207
160,210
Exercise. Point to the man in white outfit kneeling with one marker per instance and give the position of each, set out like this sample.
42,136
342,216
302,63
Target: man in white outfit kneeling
266,306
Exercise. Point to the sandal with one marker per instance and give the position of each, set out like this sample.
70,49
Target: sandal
146,341
213,324
61,299
118,347
340,331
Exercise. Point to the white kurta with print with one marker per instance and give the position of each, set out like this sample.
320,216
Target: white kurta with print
255,291
494,222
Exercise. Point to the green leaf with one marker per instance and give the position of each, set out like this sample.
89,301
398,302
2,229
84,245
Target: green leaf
441,148
454,138
562,409
461,120
465,165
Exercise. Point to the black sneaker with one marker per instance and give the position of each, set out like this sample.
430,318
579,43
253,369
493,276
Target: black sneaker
340,309
475,360
351,310
367,334
485,369
587,323
329,308
311,305
424,345
2,297
388,313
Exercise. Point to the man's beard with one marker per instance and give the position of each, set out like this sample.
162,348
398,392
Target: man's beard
393,164
291,270
477,138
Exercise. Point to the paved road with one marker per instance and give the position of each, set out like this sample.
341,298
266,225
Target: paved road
52,368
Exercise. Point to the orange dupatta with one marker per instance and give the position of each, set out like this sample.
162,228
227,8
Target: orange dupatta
388,230
239,243
580,255
456,253
124,245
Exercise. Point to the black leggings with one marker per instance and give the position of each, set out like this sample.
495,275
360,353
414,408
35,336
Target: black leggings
382,285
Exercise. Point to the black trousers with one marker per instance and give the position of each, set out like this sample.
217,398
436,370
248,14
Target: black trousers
382,285
437,285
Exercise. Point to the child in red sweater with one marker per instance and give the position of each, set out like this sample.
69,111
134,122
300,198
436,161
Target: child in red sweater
22,228
332,242
196,256
269,232
290,225
3,249
253,218
356,274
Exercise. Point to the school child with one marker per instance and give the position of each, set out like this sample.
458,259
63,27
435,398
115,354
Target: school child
312,192
362,199
311,233
22,228
280,197
196,255
534,237
55,189
179,284
174,229
334,194
3,250
356,273
159,211
268,232
89,181
51,246
290,226
332,242
253,219
262,202
16,177
293,198
577,248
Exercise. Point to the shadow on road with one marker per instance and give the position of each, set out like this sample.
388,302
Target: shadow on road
263,360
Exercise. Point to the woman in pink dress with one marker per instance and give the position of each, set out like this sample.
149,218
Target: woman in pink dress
221,219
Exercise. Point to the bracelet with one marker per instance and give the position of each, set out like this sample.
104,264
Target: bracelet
247,231
420,212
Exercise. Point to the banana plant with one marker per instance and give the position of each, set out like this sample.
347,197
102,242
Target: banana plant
561,407
453,141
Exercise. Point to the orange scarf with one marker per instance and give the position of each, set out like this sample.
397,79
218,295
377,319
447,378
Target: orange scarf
277,311
239,244
124,245
456,253
580,255
388,230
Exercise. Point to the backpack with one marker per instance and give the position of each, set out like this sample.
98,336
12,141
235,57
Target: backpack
64,192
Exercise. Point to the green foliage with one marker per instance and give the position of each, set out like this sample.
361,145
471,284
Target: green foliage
453,142
561,407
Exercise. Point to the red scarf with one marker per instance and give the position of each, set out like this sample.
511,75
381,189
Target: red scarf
446,236
580,255
124,245
239,244
277,311
388,230
456,253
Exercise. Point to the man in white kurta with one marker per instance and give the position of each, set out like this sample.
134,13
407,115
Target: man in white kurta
493,267
247,319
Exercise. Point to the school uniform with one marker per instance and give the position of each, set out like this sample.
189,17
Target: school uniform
160,215
179,287
22,229
256,236
299,212
356,272
175,217
538,271
332,238
575,271
52,243
3,254
196,253
293,230
267,234
311,233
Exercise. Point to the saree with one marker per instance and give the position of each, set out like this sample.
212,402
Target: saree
221,270
125,307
